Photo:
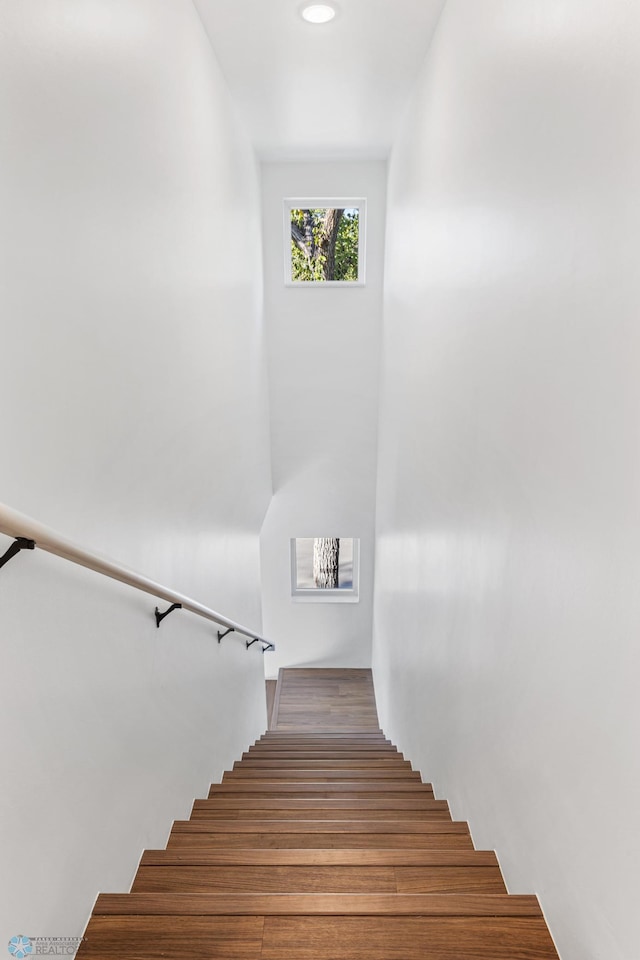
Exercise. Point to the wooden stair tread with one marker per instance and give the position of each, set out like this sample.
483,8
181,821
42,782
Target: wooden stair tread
321,741
442,879
324,773
266,879
393,803
365,746
346,786
307,904
336,764
407,938
317,730
276,753
319,733
320,826
320,834
179,856
212,812
310,749
316,938
157,937
281,878
320,737
338,741
333,841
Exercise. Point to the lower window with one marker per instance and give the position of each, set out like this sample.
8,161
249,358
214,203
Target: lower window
325,569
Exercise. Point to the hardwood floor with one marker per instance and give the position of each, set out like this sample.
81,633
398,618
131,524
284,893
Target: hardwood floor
325,701
321,843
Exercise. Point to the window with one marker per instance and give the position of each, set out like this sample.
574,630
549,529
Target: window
325,569
324,242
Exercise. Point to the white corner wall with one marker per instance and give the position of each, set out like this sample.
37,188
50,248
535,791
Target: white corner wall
507,609
134,404
323,359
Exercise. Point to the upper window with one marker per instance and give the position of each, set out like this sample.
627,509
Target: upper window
324,241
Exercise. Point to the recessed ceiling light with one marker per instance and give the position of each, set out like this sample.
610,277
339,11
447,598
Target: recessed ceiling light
318,13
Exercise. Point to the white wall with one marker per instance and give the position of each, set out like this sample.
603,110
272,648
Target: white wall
135,421
507,609
324,354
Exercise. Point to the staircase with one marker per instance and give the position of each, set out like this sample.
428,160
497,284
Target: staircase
322,843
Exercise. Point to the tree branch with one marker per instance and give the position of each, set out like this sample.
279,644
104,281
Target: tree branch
299,239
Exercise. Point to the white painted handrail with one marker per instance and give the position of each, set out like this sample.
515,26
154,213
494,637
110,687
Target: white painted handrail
15,524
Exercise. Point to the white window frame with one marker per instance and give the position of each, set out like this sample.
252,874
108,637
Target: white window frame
325,594
341,203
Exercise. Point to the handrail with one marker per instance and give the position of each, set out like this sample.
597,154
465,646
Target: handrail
18,525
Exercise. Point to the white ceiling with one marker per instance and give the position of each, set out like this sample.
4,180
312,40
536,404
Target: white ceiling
318,92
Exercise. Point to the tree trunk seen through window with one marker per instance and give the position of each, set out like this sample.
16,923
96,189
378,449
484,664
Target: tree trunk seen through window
315,235
326,553
327,244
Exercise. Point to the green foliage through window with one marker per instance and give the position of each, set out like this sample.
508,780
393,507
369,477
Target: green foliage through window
324,244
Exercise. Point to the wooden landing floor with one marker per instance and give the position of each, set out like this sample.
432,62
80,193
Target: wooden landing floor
325,700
